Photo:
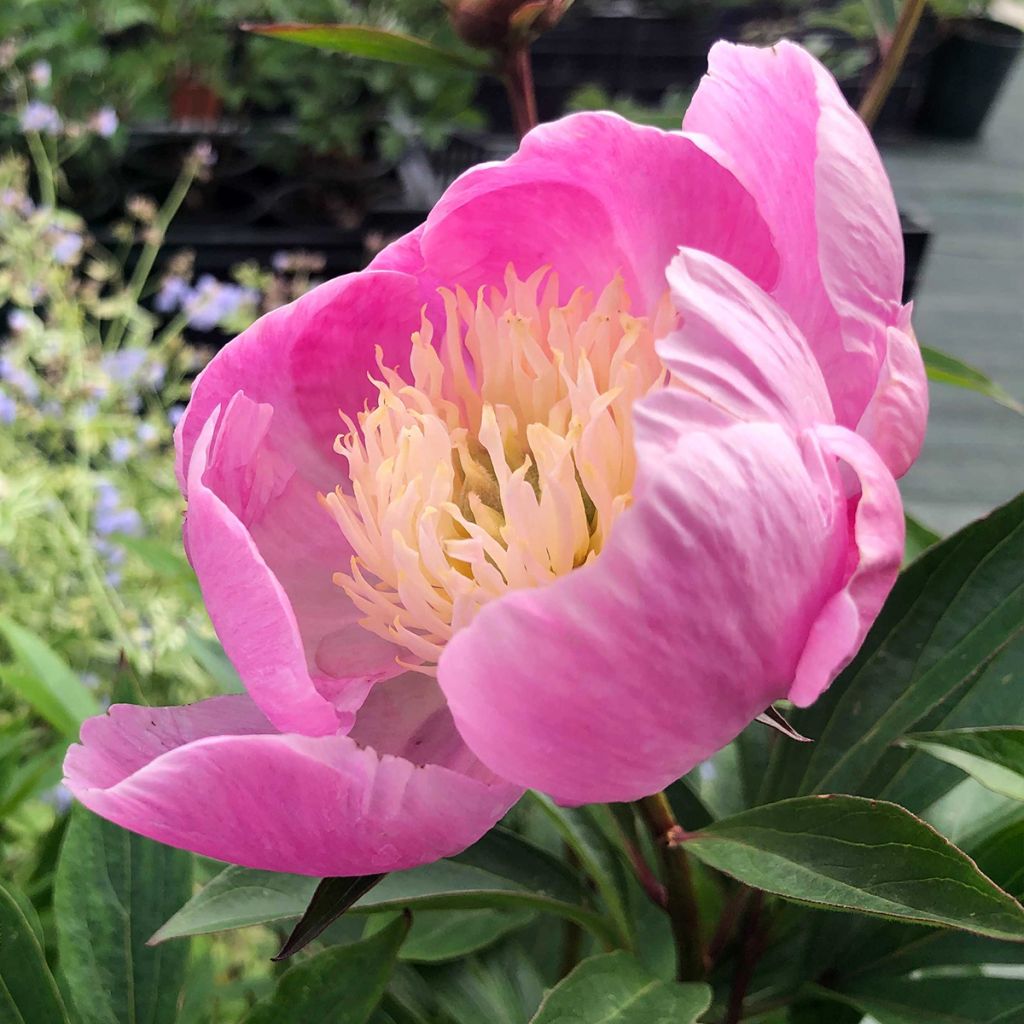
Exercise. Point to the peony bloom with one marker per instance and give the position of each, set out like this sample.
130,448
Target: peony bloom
614,470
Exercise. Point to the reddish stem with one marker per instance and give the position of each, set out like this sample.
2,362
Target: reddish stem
517,74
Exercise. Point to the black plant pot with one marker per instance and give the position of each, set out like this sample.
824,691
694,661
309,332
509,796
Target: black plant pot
916,238
968,71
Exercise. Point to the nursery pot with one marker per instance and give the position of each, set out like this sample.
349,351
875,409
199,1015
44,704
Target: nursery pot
968,71
193,102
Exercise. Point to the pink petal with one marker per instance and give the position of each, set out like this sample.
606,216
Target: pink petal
264,551
777,118
216,778
618,678
593,195
894,421
737,348
876,552
308,360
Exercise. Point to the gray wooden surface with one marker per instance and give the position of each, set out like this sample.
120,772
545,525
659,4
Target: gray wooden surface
970,303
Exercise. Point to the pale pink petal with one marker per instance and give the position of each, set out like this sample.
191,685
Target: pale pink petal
264,551
618,678
736,347
876,550
216,778
896,417
593,195
777,118
308,360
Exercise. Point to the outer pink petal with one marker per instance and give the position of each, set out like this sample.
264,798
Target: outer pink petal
216,778
895,419
264,551
778,119
308,360
593,195
874,562
618,678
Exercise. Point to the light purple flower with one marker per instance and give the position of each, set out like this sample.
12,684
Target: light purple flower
40,74
124,365
174,293
40,117
67,247
104,122
174,414
147,433
112,554
214,301
121,449
118,520
8,408
18,320
88,411
19,378
58,797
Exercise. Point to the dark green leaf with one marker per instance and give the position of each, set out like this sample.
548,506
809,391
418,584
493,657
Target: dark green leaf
331,898
339,985
616,989
42,678
943,654
440,935
374,43
28,992
940,1000
993,756
861,855
945,369
501,870
112,890
1001,857
596,854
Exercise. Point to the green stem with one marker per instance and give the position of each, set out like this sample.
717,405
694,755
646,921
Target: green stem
151,249
682,900
892,60
43,169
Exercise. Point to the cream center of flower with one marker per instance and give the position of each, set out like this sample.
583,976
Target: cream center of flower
502,463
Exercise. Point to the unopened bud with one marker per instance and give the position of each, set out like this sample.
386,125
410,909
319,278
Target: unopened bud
499,24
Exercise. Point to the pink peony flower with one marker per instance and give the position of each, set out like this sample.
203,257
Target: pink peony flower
585,519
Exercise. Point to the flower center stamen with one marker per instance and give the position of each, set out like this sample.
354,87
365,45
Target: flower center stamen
502,464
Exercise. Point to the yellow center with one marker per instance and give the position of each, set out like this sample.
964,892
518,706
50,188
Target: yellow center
502,464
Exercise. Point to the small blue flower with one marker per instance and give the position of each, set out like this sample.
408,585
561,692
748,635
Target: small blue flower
18,378
121,450
58,797
124,365
174,414
66,248
18,320
147,433
40,74
174,293
104,122
40,117
111,553
8,409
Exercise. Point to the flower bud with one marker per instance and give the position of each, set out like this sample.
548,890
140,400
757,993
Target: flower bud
496,24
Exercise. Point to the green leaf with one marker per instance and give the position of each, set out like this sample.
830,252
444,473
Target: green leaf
42,678
993,756
440,935
944,369
1000,857
501,870
579,830
373,43
339,985
939,1000
862,855
211,658
944,653
28,992
919,539
112,890
331,898
616,989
